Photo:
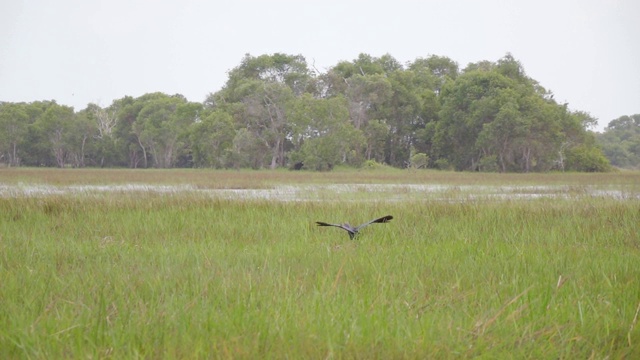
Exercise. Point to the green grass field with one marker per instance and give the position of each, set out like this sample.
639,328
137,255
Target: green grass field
183,275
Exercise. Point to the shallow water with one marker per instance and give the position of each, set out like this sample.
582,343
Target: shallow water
334,192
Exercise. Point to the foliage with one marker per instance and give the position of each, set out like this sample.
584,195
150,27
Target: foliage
620,142
419,161
13,124
159,127
211,138
588,159
500,114
275,112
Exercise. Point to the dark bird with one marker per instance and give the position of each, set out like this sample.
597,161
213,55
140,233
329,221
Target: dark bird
353,231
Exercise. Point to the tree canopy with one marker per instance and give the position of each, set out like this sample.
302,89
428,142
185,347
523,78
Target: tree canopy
620,141
274,111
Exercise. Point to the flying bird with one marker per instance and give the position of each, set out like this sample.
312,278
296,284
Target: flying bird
353,231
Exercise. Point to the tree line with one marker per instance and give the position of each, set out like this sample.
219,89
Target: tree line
278,111
620,142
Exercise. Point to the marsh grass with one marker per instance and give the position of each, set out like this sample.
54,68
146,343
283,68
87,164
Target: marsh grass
250,179
131,275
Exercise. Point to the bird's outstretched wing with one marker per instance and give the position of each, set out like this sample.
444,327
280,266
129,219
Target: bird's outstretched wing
352,232
320,223
383,219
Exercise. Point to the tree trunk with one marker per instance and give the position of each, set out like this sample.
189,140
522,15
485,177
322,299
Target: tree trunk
14,158
276,154
144,152
84,140
527,159
59,155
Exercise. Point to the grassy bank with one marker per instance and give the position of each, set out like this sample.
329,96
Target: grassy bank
252,179
182,276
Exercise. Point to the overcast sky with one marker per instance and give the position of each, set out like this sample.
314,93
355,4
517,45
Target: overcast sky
587,52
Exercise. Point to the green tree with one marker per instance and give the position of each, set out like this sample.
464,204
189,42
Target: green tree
265,117
540,146
14,120
467,105
56,123
620,141
436,70
406,116
498,138
80,139
162,127
34,146
322,135
105,145
257,94
495,117
247,151
289,70
376,133
211,140
126,140
366,94
588,159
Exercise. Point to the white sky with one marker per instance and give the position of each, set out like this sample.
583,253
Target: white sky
80,51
